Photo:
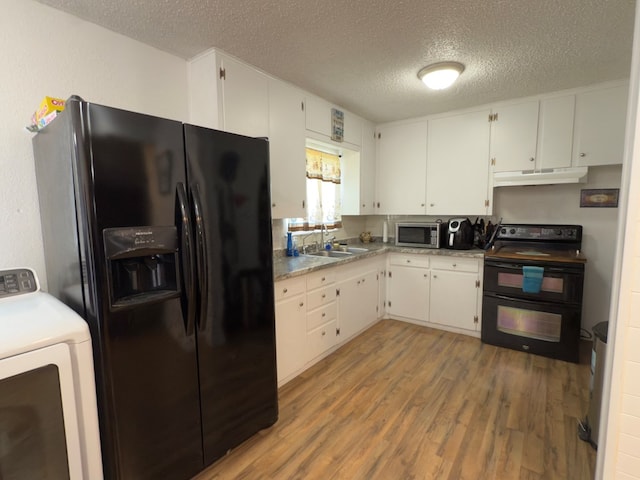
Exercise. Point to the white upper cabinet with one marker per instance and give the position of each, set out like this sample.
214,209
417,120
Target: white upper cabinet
555,132
514,131
600,126
245,98
319,120
458,156
368,169
287,150
401,168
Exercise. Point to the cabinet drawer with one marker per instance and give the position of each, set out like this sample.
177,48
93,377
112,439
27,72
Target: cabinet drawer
320,279
320,296
421,261
321,316
321,339
455,263
288,288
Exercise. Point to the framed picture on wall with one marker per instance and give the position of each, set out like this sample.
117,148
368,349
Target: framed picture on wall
599,197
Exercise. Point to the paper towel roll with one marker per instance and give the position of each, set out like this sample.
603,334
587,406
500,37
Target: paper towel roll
385,232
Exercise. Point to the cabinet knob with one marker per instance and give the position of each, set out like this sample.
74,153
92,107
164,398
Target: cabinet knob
432,204
408,261
324,314
532,159
284,290
582,154
358,282
324,295
434,276
363,205
363,280
454,265
425,276
422,204
301,304
323,279
324,333
273,205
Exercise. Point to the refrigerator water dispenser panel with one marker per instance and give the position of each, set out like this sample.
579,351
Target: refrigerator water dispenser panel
142,265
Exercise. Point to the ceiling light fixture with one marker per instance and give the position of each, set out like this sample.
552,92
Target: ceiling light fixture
439,76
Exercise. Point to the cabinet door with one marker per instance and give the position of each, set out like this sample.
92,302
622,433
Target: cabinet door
454,299
514,136
291,334
367,169
286,150
600,126
408,292
402,168
245,99
555,132
458,154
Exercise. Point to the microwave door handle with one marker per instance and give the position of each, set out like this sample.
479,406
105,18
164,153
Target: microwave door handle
451,239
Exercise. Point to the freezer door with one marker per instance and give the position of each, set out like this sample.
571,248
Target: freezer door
228,176
149,400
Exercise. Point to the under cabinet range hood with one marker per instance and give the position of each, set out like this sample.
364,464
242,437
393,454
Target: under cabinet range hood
545,176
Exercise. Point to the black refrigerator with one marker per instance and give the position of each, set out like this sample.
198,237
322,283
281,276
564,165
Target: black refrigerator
158,233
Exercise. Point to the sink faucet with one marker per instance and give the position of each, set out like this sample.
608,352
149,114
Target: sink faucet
306,247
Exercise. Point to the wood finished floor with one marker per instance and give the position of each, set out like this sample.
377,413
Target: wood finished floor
408,402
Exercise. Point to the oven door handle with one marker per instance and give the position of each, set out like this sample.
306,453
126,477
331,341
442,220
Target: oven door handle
530,300
547,269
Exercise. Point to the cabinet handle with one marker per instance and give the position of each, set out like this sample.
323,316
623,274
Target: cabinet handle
324,295
324,315
425,276
435,276
532,159
323,279
408,261
454,265
284,290
363,280
363,205
582,154
422,204
358,282
432,204
324,333
273,205
301,304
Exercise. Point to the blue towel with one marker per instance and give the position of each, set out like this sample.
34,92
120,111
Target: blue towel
532,279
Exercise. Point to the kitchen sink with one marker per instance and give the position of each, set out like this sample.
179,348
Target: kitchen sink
331,253
357,250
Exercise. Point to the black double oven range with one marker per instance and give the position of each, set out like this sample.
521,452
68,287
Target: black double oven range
533,281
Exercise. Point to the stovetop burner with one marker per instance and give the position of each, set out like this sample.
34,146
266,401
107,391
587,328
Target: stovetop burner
535,242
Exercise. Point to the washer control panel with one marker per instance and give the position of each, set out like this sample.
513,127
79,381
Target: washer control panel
17,282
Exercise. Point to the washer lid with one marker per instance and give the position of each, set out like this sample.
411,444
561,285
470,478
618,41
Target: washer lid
37,320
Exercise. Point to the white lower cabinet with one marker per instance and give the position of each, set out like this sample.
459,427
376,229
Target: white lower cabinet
442,291
291,327
455,292
408,286
357,298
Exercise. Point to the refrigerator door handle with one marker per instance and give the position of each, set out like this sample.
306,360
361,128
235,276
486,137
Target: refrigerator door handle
186,251
201,256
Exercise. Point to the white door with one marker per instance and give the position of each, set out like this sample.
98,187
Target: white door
408,293
454,299
458,161
402,169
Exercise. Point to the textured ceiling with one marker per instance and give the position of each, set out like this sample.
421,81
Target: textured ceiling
365,54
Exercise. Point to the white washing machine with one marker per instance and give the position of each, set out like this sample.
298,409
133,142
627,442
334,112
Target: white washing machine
48,415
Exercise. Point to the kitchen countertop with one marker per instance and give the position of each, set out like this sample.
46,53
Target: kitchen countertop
288,267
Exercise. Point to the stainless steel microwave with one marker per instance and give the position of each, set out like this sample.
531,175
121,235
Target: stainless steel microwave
420,235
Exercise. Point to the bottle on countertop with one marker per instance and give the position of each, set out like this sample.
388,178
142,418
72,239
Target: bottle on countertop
385,232
289,245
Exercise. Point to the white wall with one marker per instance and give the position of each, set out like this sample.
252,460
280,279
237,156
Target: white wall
47,52
561,204
619,442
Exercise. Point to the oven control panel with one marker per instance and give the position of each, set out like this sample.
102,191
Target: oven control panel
16,282
549,233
